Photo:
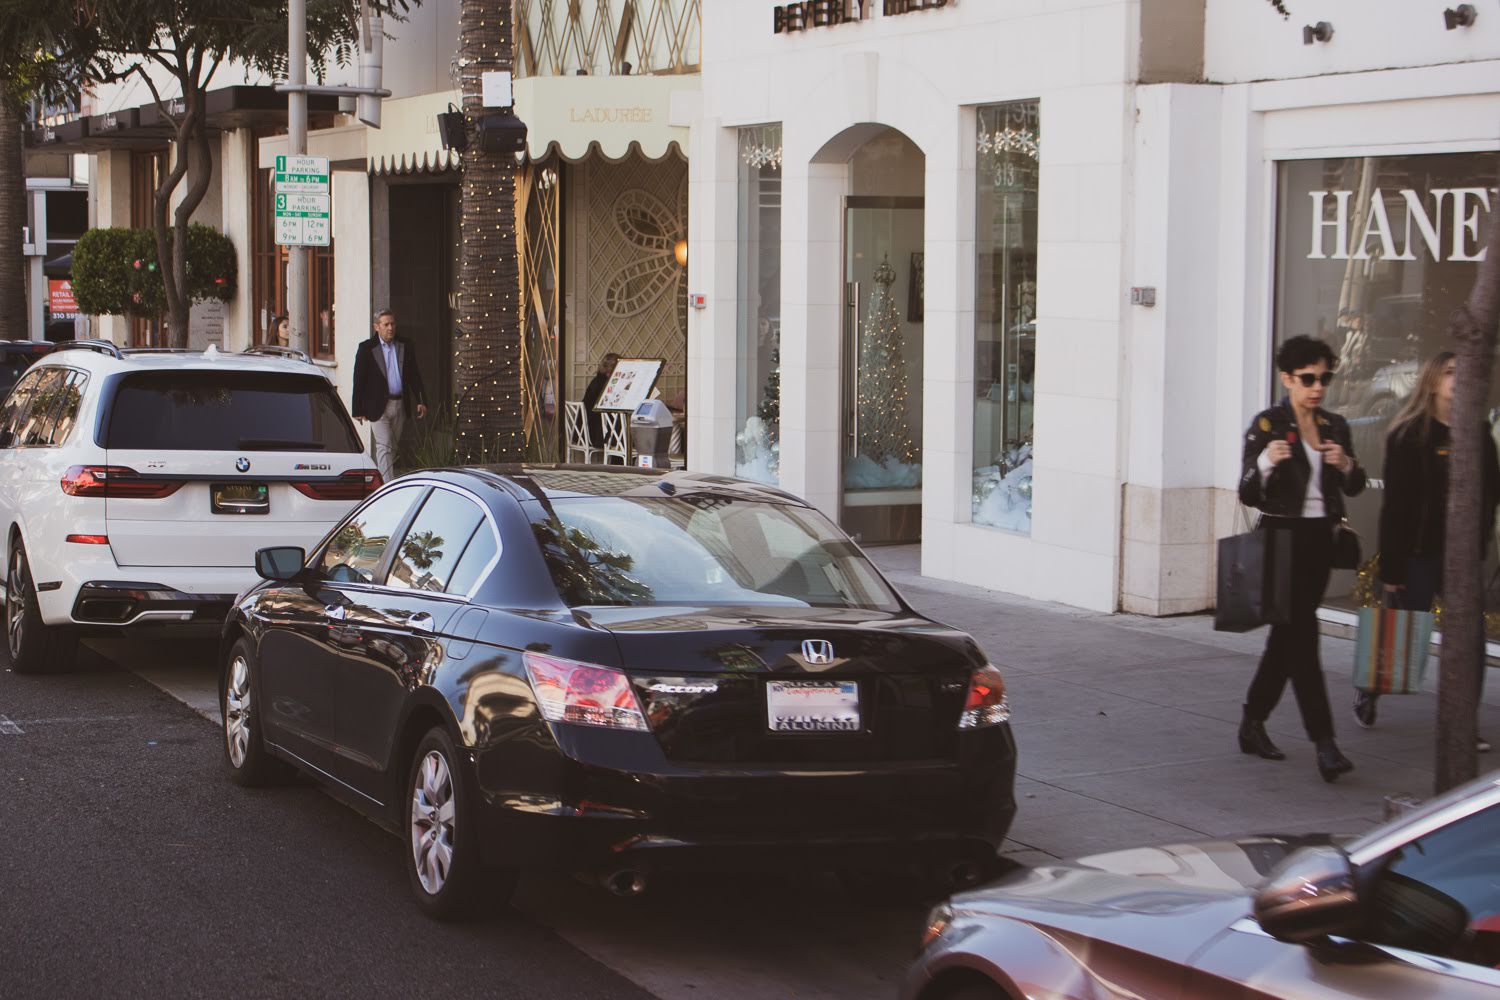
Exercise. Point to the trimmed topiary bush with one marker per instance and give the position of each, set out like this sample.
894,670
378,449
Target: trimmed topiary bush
115,271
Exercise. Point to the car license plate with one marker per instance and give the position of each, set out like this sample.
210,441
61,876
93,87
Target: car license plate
812,706
240,498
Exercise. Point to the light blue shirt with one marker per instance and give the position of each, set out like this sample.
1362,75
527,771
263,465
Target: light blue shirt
392,369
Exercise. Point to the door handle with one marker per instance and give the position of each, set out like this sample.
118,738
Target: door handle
420,622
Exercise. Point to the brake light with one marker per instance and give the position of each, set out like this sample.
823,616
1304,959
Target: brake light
355,484
569,691
115,481
986,704
88,539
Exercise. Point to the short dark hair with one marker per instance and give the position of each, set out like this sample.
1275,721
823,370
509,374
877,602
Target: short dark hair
382,314
1301,351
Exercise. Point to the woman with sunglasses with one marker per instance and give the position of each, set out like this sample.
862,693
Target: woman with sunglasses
1414,509
1299,465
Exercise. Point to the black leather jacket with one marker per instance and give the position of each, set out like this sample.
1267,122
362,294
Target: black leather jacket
1285,489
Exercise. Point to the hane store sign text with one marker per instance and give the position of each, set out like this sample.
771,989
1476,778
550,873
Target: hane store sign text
1443,224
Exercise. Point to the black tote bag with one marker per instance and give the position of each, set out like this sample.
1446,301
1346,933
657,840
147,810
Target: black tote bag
1255,580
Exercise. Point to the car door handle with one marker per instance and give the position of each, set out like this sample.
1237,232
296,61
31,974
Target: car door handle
420,622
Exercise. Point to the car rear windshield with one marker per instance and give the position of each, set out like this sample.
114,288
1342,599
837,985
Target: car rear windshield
228,411
698,550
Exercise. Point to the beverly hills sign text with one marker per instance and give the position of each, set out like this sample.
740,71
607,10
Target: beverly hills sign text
1457,208
825,13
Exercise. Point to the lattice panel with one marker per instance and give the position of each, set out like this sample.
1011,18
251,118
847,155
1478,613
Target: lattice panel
561,37
539,202
626,282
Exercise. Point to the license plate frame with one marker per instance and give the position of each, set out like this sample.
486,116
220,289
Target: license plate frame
813,708
244,499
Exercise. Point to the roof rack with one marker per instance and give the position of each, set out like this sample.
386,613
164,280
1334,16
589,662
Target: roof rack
101,346
277,351
157,350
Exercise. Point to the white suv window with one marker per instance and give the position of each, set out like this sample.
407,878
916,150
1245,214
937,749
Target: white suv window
16,405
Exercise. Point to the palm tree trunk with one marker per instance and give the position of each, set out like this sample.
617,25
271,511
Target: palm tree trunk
487,356
1473,328
15,311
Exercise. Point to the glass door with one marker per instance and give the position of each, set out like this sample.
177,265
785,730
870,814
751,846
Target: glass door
882,369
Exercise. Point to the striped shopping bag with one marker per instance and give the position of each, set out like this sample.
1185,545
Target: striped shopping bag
1391,655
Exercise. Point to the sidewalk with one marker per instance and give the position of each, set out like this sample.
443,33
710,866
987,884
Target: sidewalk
1126,726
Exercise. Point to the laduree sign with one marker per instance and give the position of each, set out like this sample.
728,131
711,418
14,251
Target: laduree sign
826,13
303,204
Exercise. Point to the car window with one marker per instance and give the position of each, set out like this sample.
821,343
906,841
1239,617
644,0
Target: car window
15,407
476,558
354,550
66,414
1440,894
42,415
228,411
435,542
703,550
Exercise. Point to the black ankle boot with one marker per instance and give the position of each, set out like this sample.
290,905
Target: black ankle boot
1253,740
1332,763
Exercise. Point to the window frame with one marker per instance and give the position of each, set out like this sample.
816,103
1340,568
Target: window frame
486,519
382,566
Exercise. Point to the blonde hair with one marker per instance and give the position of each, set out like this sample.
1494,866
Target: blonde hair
1421,405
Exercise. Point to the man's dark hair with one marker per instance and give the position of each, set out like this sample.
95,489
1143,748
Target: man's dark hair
382,314
1301,351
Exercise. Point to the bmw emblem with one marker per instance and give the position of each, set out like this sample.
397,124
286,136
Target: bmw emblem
242,464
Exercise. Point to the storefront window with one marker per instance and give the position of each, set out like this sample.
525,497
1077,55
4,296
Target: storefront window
1005,314
1373,255
758,405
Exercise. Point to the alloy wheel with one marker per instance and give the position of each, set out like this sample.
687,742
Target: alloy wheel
237,711
432,812
15,605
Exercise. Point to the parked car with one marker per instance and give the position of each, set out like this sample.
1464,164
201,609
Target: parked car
136,487
16,356
615,672
1411,909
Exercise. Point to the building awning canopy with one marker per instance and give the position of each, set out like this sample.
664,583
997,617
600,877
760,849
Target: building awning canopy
608,115
146,127
407,141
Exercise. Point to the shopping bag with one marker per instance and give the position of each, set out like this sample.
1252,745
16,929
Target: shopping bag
1254,580
1391,654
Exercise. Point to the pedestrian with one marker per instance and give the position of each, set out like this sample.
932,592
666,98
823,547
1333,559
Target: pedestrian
1414,511
387,385
1299,464
592,393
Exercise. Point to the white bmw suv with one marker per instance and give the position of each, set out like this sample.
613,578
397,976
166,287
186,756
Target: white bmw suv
136,485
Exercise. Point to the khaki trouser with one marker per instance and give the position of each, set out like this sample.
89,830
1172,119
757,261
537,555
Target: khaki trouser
385,436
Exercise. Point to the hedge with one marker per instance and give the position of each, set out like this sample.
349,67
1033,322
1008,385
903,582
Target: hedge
115,271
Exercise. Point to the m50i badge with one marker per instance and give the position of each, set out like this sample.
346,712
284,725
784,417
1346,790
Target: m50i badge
311,467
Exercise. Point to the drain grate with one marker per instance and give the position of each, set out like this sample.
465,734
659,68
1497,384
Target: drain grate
8,728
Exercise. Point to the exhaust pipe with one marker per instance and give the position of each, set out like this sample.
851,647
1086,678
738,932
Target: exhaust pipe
625,882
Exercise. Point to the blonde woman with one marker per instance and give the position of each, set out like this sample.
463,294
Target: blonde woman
1414,513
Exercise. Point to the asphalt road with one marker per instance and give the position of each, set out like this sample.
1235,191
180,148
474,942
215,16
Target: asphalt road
132,868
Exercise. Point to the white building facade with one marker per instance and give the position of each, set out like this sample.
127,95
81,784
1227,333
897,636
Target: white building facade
1095,227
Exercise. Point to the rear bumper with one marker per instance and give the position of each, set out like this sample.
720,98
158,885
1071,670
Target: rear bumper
596,817
178,597
117,603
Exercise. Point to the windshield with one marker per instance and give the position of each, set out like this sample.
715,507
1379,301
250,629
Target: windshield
228,411
698,550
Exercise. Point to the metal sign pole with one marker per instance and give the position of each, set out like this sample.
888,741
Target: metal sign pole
296,126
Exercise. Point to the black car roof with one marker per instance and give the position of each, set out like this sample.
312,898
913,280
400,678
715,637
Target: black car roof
554,482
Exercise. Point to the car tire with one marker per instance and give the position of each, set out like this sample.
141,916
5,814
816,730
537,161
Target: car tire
34,646
447,873
246,759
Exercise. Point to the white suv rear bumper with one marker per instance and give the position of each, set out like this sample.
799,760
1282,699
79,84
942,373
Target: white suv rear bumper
137,595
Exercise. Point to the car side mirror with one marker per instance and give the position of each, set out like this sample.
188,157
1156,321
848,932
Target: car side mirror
1310,896
282,562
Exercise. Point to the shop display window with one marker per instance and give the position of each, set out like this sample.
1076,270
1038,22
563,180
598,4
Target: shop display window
1005,314
758,367
1373,254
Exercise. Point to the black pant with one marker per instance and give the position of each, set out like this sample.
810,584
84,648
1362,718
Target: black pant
1292,649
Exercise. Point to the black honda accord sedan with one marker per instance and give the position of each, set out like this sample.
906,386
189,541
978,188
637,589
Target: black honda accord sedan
616,672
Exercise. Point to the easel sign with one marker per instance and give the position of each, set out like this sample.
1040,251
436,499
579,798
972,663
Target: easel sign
630,384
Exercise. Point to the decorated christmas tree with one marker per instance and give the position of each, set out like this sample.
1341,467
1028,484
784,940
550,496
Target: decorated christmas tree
884,426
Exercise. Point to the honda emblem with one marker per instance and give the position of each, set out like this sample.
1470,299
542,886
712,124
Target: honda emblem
817,651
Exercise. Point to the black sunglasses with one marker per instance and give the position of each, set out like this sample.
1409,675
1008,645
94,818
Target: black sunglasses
1308,378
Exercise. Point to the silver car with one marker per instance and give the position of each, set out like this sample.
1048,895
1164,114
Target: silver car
1411,909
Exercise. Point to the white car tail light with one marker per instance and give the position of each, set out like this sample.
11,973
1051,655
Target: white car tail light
986,704
569,691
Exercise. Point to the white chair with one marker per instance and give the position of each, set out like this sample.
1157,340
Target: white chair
676,450
577,428
616,442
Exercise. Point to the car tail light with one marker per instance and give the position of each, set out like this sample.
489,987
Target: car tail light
115,481
88,539
986,704
356,484
568,691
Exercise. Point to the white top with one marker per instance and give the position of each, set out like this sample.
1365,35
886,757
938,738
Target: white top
1312,504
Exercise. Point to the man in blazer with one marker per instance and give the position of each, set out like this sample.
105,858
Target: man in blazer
387,384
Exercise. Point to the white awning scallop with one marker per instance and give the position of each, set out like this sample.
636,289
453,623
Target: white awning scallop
407,141
607,115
